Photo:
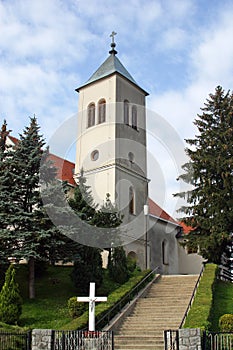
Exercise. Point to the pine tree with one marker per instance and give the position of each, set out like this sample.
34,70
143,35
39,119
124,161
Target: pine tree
26,231
10,299
210,172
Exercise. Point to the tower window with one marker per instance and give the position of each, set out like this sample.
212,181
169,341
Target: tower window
101,111
91,115
131,201
126,112
134,118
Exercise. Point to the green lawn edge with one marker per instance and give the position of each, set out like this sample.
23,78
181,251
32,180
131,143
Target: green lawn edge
102,308
199,314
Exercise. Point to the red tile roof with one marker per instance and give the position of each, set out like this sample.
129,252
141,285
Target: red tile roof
65,168
156,210
13,139
186,229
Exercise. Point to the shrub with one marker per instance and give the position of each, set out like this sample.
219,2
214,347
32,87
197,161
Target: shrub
226,323
75,307
10,299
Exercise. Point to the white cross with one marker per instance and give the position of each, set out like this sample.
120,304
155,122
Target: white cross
92,299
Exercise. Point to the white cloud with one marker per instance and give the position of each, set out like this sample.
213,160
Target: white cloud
48,48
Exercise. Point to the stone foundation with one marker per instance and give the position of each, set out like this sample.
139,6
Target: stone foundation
41,339
189,339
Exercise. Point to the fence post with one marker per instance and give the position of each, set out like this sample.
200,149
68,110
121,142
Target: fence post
112,340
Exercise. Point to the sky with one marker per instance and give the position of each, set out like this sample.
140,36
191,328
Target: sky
177,50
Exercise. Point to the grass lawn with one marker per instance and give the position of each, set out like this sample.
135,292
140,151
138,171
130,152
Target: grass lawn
53,289
213,299
222,303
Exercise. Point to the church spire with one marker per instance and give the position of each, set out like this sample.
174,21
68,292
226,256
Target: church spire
113,44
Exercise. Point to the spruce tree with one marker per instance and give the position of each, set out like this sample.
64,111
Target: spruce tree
6,198
88,265
10,299
210,172
26,231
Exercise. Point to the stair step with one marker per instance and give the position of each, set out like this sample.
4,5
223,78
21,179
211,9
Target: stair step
162,308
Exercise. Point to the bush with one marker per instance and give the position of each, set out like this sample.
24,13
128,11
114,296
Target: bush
131,264
226,323
75,307
10,299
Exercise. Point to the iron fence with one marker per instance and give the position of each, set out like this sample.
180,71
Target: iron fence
82,340
15,341
171,339
217,341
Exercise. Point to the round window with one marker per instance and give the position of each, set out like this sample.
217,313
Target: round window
94,155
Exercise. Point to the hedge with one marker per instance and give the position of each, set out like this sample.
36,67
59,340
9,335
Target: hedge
198,316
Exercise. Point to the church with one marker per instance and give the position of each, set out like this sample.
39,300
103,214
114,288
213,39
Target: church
112,155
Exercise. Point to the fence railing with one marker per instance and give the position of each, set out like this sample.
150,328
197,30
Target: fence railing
225,274
106,318
82,340
171,339
192,297
217,341
15,340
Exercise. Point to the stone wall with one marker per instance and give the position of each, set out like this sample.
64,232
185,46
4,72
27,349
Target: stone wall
189,339
41,339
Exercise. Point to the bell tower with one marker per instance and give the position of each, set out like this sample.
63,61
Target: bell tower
111,144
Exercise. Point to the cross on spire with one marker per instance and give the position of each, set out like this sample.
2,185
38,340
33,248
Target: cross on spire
113,44
112,36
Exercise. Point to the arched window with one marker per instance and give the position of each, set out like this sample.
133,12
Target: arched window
134,118
101,111
126,112
131,200
165,252
91,115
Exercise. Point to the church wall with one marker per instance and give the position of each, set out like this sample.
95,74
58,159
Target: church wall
189,263
160,232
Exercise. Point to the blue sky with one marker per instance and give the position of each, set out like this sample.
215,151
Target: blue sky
177,50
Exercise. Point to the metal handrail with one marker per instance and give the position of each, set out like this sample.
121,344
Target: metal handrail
121,303
192,297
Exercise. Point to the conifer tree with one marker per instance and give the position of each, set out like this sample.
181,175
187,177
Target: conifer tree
6,197
88,265
10,299
26,231
117,265
210,172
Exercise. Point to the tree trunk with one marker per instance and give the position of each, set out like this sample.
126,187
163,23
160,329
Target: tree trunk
31,284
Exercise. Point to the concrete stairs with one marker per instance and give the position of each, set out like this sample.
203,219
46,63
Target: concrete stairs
163,308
